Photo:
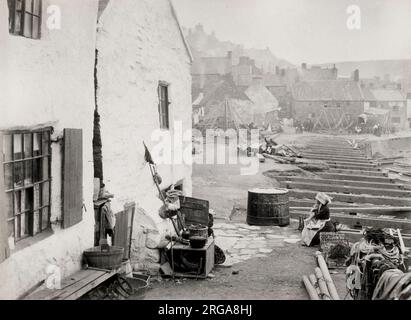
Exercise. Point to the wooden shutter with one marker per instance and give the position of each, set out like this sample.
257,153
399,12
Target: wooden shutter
72,177
124,229
4,246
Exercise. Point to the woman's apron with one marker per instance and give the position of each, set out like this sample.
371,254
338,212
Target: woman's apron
311,227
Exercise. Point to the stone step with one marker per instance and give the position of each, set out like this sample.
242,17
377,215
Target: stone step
353,198
345,189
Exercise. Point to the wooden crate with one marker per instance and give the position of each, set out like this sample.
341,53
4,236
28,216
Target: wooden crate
207,254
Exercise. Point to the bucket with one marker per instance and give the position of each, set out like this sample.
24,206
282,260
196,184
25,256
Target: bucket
198,230
110,259
268,207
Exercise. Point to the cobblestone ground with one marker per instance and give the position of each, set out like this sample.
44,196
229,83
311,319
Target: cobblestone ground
241,241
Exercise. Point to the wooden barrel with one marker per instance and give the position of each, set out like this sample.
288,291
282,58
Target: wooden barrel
268,207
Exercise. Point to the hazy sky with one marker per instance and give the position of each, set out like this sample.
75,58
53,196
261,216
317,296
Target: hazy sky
314,31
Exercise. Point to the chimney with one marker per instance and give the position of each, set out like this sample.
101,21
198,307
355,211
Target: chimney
304,66
229,54
277,70
356,75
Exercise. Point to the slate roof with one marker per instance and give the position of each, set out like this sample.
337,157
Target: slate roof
387,95
221,90
327,90
262,98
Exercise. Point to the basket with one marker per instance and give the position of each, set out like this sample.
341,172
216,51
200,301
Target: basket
198,230
104,259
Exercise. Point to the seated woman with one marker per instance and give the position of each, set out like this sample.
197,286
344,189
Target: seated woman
318,221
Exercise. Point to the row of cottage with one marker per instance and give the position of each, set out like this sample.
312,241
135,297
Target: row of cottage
64,65
298,93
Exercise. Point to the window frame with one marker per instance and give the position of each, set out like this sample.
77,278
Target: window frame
164,102
31,228
21,13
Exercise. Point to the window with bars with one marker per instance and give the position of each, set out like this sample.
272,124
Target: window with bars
25,18
163,106
26,160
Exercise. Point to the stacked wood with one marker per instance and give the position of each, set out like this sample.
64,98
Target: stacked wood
327,277
320,286
310,289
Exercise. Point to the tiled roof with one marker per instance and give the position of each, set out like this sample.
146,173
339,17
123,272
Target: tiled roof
327,90
387,95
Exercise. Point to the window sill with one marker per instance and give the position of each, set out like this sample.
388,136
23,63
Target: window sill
25,243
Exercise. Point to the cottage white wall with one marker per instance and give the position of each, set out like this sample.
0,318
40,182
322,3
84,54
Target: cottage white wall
50,81
139,44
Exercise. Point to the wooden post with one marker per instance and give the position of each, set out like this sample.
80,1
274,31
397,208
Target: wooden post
322,285
314,282
327,277
312,293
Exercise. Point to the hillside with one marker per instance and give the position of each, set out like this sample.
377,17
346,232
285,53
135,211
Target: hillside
203,44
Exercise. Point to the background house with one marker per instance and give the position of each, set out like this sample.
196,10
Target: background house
391,100
311,98
47,87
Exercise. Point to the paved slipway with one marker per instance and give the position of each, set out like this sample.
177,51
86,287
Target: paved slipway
262,262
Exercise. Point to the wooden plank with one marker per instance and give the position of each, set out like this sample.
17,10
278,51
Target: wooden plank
90,285
353,198
403,224
4,246
355,236
352,183
353,177
66,292
121,231
72,177
352,167
402,212
50,294
359,172
336,157
345,189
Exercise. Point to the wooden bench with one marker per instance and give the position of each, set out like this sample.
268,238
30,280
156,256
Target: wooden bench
74,286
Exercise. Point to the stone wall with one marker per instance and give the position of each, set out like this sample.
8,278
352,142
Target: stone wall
50,82
139,44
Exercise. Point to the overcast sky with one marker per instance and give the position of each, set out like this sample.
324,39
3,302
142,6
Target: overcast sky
313,31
